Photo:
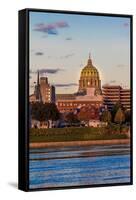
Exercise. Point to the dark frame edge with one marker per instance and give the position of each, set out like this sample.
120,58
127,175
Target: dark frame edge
131,81
23,177
78,12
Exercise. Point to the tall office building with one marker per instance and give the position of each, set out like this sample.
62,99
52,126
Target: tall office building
44,92
115,93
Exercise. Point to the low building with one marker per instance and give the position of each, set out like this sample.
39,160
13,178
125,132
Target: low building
65,96
97,123
90,99
38,124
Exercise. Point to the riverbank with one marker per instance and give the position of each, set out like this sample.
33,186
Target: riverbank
78,143
72,134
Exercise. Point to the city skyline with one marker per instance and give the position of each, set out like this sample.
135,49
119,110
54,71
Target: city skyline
60,46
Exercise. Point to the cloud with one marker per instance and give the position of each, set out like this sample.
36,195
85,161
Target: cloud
61,57
66,84
68,38
125,24
39,53
48,71
68,55
52,28
121,66
61,24
113,81
52,32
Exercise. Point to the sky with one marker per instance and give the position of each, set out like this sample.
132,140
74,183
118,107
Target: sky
60,45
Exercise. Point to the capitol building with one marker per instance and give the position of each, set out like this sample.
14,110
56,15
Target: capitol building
89,78
90,93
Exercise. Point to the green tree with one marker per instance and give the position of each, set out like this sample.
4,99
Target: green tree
37,111
52,111
71,118
128,116
106,116
120,116
115,109
42,112
88,113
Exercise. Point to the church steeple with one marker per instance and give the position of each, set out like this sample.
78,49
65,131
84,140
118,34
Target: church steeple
37,88
38,78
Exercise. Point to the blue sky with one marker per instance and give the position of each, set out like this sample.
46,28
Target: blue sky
60,45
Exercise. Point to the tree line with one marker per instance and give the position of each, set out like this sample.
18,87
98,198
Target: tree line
117,115
49,111
44,111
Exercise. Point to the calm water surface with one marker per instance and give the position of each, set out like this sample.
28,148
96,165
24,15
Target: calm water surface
74,166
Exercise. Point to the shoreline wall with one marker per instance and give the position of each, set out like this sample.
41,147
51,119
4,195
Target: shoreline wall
78,143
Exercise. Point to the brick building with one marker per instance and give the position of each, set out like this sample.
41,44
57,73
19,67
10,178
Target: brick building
77,102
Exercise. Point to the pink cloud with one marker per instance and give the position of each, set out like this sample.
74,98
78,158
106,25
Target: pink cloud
126,24
51,28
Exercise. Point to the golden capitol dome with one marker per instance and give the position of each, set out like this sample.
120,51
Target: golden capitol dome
89,77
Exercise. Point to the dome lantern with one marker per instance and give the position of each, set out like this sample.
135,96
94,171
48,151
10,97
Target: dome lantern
89,60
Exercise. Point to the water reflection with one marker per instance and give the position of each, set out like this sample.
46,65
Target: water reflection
72,166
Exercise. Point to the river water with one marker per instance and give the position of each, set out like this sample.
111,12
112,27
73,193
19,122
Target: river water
75,166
